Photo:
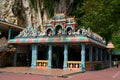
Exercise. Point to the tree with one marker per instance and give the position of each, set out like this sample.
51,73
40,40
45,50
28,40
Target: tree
102,16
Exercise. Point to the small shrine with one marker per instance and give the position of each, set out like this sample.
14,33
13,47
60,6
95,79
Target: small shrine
7,51
61,45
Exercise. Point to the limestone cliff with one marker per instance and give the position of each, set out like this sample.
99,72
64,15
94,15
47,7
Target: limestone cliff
6,11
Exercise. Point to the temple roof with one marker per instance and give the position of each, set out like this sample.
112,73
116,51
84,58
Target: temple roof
4,27
61,29
56,39
5,24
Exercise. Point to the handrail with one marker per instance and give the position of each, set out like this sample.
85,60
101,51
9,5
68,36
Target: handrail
42,63
73,65
42,60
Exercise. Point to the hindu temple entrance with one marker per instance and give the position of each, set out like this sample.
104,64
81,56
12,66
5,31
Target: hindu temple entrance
61,45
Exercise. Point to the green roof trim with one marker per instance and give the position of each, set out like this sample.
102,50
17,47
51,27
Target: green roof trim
116,52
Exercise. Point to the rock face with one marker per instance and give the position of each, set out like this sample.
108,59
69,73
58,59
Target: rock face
6,11
20,11
3,43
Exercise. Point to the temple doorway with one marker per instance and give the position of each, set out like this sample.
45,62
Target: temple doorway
58,57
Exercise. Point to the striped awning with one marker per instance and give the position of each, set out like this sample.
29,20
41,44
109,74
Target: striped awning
62,39
56,39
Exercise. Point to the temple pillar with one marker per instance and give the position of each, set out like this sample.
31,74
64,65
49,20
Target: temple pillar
9,33
101,55
65,57
105,55
15,59
90,56
34,56
50,57
96,56
110,59
82,65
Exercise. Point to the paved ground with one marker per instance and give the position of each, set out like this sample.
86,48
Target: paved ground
48,72
106,74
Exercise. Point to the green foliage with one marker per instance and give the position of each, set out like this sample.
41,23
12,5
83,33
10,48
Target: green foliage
49,5
116,38
116,41
101,16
